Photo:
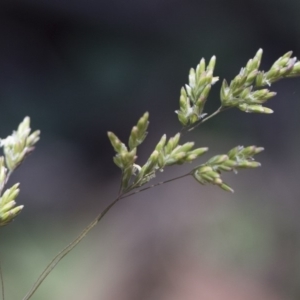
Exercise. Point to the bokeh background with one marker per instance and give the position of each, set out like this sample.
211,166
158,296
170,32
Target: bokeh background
79,68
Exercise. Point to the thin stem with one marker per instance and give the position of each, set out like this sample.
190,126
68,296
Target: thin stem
120,187
154,185
77,240
220,109
67,249
2,283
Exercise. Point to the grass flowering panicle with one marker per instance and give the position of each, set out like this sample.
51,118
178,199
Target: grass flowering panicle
248,91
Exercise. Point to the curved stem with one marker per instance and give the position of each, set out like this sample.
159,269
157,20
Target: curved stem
220,109
67,249
154,185
2,284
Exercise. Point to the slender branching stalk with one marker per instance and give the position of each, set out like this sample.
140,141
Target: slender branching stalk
80,237
2,283
219,110
155,185
248,92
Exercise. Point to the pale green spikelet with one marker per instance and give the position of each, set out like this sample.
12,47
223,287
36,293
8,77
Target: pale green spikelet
8,208
15,147
242,91
285,66
118,146
237,158
194,95
19,144
171,153
139,132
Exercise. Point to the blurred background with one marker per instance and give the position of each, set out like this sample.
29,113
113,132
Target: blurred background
80,68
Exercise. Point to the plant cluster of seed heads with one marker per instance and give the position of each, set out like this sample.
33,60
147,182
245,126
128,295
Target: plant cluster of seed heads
15,147
166,153
237,158
248,91
244,92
